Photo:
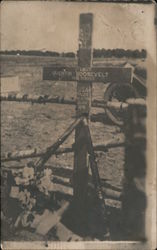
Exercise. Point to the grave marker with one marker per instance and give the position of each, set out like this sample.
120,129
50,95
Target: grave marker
85,74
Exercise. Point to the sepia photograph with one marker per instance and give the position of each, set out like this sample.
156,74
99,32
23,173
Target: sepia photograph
78,125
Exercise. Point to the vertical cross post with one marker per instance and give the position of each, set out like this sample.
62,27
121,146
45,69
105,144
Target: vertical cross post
84,90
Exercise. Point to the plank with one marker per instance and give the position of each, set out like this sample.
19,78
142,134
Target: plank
49,220
64,234
86,74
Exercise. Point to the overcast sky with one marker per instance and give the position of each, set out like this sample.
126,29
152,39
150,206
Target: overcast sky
55,25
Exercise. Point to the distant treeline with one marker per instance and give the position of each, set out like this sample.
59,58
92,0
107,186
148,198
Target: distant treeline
97,53
119,53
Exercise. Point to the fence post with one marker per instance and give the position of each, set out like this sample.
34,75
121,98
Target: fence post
83,108
134,198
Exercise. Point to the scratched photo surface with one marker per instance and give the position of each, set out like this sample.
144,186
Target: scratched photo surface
73,121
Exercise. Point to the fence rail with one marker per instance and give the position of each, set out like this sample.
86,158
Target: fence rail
34,153
43,99
63,185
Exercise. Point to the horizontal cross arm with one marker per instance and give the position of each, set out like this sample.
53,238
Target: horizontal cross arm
94,74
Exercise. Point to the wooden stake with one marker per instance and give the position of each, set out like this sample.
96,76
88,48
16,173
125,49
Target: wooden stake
96,179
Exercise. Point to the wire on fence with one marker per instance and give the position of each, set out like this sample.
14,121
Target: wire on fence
43,99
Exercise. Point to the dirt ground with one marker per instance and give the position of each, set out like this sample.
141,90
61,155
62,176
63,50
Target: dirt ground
25,126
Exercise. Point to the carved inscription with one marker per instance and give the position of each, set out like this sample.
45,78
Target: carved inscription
85,36
83,97
85,74
88,74
59,73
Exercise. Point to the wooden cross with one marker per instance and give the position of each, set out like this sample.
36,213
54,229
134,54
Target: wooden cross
85,74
